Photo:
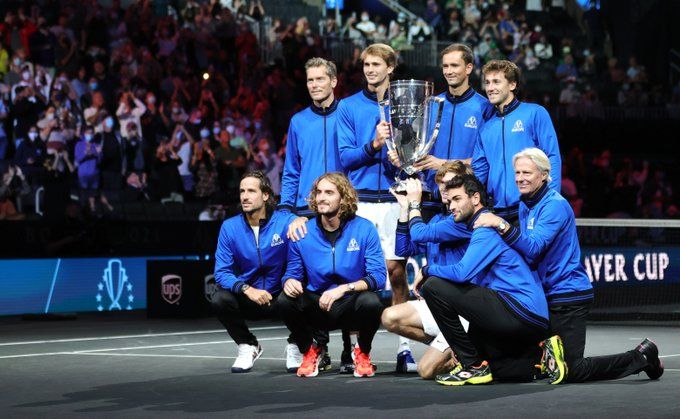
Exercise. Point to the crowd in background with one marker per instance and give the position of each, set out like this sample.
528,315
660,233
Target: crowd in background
109,104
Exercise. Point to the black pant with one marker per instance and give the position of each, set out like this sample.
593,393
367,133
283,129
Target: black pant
232,311
359,312
569,322
495,334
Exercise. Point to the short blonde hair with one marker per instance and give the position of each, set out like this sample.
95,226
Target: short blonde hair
348,195
383,51
537,156
452,166
331,69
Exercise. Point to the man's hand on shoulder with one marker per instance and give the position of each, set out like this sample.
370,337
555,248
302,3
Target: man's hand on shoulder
297,229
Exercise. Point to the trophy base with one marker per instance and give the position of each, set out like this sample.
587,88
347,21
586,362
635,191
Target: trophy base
399,185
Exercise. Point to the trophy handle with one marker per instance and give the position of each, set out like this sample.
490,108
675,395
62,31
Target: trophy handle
435,132
384,117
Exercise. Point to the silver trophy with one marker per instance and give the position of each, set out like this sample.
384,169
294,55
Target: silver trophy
414,114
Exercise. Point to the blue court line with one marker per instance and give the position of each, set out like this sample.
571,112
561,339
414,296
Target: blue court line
54,280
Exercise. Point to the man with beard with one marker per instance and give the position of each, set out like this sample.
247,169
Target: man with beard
493,288
332,275
249,261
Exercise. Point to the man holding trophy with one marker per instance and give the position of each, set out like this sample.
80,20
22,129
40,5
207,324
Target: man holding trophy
361,142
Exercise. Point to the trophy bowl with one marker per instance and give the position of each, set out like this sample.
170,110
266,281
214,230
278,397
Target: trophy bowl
414,115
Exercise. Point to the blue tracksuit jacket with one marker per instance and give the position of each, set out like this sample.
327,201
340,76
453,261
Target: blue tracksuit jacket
311,150
503,135
462,118
490,263
322,265
442,240
239,261
371,172
548,240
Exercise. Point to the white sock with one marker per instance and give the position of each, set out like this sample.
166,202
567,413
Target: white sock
353,339
404,344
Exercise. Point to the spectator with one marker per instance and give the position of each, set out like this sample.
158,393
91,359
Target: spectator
366,26
87,158
13,186
167,183
130,109
204,165
269,163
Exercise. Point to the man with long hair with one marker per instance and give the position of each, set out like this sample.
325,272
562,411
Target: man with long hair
332,275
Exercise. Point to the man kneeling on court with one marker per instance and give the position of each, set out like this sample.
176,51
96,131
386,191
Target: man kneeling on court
443,242
493,288
332,275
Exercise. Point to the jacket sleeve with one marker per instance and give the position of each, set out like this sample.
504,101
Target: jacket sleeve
291,171
533,243
352,154
480,253
376,272
295,268
403,246
446,230
224,263
547,141
480,164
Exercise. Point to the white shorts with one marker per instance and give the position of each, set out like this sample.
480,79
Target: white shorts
430,325
384,216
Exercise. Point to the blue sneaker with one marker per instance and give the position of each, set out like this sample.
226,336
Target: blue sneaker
406,363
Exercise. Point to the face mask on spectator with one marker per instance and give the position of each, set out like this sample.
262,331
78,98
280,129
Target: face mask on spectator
246,124
17,61
50,116
364,18
88,137
230,129
26,75
258,125
175,110
216,130
32,135
108,122
179,135
205,133
93,86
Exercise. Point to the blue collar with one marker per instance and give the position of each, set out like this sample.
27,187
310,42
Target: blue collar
540,193
509,108
325,111
370,95
474,217
462,98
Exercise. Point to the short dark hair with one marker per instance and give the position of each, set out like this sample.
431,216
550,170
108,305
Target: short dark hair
468,55
265,187
471,184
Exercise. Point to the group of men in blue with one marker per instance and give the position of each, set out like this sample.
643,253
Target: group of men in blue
503,295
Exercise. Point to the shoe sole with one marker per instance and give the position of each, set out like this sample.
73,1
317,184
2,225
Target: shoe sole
486,379
241,370
357,375
558,352
314,374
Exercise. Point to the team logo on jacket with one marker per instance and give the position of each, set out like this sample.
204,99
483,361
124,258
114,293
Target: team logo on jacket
276,240
518,127
353,246
471,123
530,224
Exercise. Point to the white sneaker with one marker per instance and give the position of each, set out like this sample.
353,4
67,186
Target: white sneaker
247,355
293,357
